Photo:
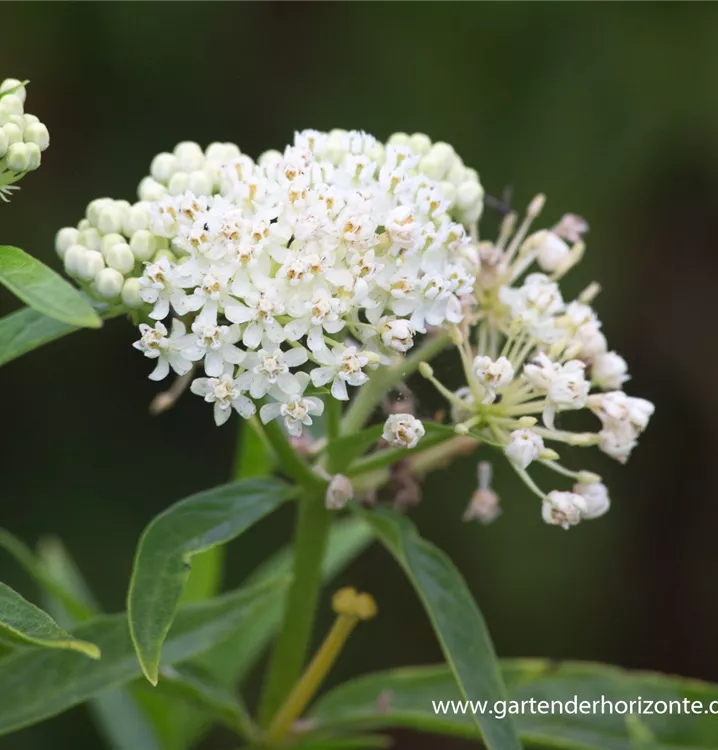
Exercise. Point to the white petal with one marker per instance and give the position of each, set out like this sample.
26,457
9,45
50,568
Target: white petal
296,357
269,412
213,364
200,386
322,375
252,335
221,415
316,405
237,312
339,390
161,371
244,406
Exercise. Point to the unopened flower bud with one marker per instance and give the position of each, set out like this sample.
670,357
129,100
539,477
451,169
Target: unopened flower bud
403,430
551,251
469,194
13,133
121,258
163,166
10,104
150,190
419,143
110,219
14,85
108,241
17,158
596,498
38,134
563,509
3,143
89,264
426,370
339,492
131,294
190,156
64,238
136,219
199,183
609,371
73,257
108,283
398,335
143,245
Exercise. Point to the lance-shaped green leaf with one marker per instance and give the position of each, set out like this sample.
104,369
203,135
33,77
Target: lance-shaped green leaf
457,622
168,544
39,683
21,620
44,290
427,699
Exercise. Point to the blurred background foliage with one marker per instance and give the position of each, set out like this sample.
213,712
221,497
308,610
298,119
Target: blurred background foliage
610,109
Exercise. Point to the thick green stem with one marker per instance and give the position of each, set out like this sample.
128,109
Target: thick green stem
291,648
383,380
290,461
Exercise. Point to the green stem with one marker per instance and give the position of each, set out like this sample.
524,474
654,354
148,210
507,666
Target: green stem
290,650
383,380
290,461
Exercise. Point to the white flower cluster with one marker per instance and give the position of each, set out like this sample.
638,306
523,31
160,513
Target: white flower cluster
23,137
329,256
528,354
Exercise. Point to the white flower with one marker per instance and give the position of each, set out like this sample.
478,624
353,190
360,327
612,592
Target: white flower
609,371
295,408
493,375
618,441
563,509
568,389
551,250
596,496
396,334
226,394
535,301
616,409
215,344
270,367
524,446
339,492
158,287
167,350
259,311
540,372
341,368
403,430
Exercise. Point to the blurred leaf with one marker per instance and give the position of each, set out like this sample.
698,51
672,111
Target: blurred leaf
404,698
342,451
117,715
167,545
29,624
45,291
45,576
361,742
456,619
38,683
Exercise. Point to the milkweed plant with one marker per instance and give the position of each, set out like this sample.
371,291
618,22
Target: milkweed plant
302,295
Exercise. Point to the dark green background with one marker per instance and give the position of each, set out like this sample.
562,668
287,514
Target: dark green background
611,109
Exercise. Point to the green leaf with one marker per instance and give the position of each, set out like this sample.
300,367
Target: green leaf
25,330
39,683
361,742
118,717
456,619
404,698
29,624
47,573
45,291
167,545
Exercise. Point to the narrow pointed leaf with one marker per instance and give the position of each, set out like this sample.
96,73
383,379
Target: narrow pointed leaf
168,544
39,683
119,718
457,622
24,621
406,697
39,287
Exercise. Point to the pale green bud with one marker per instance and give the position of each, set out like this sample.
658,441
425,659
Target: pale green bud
151,190
64,238
83,224
190,156
469,194
458,173
120,257
92,212
163,167
90,238
12,132
13,83
269,158
37,133
449,190
109,241
178,184
136,218
398,139
110,219
165,253
34,155
88,265
10,104
3,143
420,143
73,258
200,183
17,158
221,153
28,120
143,244
131,293
109,283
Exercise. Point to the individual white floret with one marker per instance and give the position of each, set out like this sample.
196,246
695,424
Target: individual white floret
524,446
214,345
609,371
109,284
226,393
156,343
295,409
403,430
493,375
271,367
596,496
564,509
341,368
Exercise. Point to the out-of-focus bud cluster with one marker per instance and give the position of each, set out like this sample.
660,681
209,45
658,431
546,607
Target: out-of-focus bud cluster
459,183
23,137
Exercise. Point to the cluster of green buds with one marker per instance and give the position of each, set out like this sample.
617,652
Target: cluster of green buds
23,137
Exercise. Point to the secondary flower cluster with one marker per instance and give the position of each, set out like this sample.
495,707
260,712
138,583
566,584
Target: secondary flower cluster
22,136
529,355
328,256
